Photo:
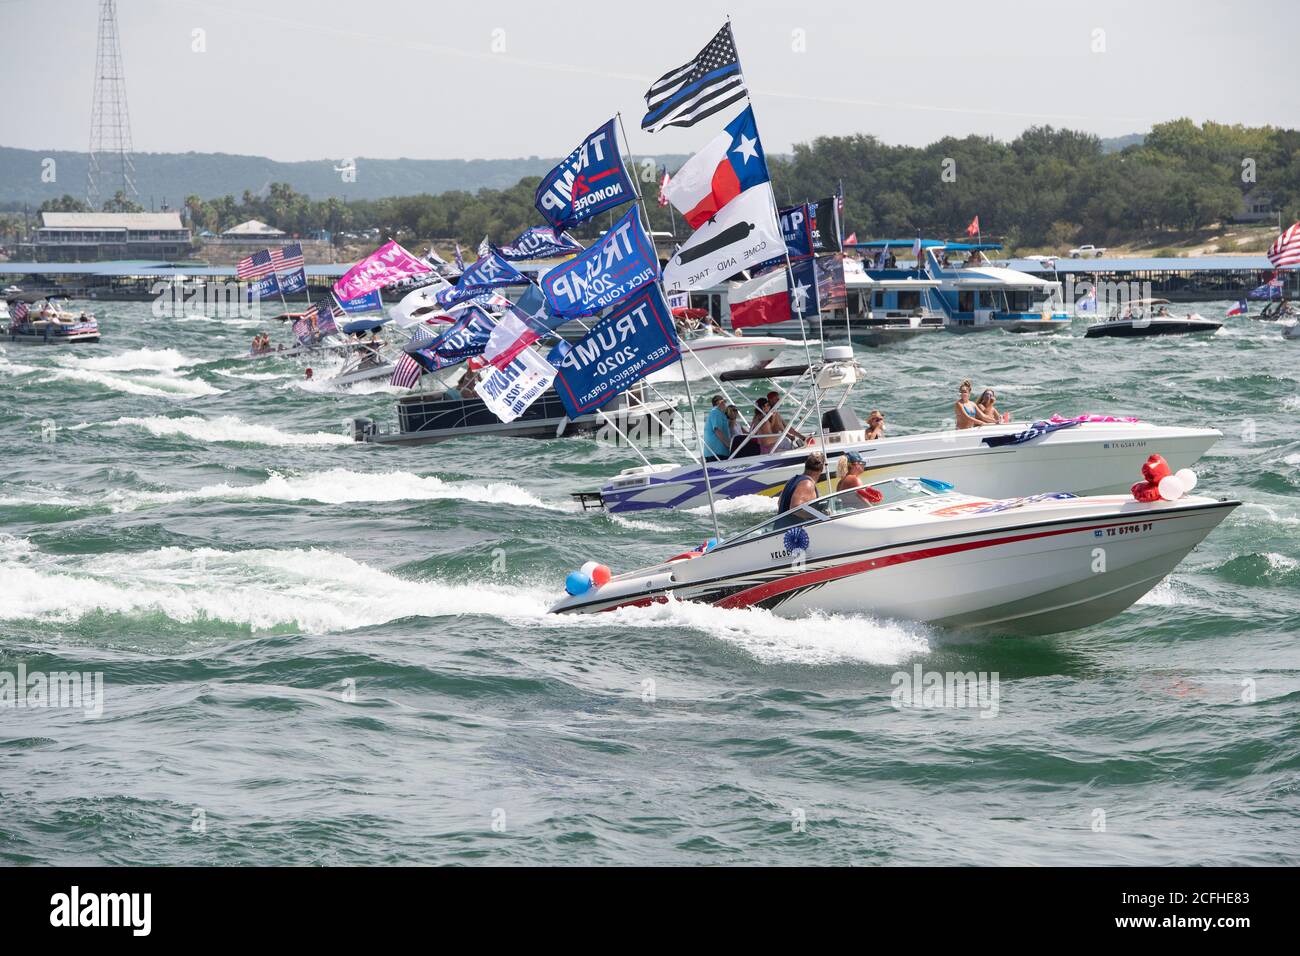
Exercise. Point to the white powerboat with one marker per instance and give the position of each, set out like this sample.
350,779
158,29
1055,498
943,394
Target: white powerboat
1039,565
708,354
1018,458
1291,330
1147,317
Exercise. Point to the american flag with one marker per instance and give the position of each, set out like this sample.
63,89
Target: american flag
305,326
20,311
287,259
698,88
255,266
406,373
1285,250
325,318
664,180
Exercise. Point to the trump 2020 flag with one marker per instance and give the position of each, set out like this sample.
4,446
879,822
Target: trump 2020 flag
465,338
540,242
622,262
635,339
267,285
743,234
370,302
590,180
510,390
386,265
488,272
732,162
293,282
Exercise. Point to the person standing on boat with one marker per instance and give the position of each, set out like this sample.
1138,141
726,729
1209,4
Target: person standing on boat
802,488
967,412
717,430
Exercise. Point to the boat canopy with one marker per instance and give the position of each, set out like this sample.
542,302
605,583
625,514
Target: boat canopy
925,244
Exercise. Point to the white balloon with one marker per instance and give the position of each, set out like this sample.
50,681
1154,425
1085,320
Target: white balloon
589,567
1187,477
1171,489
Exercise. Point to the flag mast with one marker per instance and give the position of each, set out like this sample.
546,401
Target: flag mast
690,399
789,268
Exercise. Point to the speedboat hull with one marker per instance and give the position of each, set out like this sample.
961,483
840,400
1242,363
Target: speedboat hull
711,355
1035,566
1140,328
1089,458
80,334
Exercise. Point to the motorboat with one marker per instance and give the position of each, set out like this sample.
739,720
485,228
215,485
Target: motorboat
434,416
918,550
708,351
1146,317
1087,455
1291,330
43,321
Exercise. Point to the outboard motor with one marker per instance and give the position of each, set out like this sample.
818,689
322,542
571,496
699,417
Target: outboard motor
363,429
840,420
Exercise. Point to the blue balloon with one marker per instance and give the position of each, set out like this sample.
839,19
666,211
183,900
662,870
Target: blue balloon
577,583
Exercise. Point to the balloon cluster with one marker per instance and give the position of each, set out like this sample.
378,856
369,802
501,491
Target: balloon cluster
1159,481
586,577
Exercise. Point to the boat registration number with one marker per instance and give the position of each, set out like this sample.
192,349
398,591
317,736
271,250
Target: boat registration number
1123,529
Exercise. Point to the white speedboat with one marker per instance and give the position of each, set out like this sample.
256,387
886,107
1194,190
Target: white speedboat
708,354
927,553
1147,317
1017,458
1291,330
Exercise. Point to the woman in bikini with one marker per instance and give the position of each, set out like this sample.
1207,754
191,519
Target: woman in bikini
967,413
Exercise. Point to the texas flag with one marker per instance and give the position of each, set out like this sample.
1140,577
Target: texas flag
760,301
1239,308
511,336
732,162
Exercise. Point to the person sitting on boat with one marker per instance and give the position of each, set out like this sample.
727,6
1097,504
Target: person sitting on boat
802,488
988,410
849,471
761,428
779,426
717,430
875,425
966,411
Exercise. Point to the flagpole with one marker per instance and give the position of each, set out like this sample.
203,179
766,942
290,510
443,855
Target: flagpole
789,268
690,398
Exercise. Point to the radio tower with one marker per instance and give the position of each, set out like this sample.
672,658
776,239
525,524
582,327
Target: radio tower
111,169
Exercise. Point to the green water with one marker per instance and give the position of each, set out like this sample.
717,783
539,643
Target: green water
319,652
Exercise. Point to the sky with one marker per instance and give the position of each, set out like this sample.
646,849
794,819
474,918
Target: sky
317,79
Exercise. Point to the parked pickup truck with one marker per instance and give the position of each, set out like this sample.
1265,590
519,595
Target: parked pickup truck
1084,252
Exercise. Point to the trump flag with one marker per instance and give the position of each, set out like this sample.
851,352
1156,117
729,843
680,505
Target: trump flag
590,180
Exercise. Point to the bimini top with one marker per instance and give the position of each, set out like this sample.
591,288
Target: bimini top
364,325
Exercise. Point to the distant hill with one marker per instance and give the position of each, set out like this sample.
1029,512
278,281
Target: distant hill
1114,144
173,176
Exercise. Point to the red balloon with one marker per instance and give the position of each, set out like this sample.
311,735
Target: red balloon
1156,468
1146,490
600,575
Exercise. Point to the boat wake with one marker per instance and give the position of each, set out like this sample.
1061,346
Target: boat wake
315,591
156,360
229,428
155,386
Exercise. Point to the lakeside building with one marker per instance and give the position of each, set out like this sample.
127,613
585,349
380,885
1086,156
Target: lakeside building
102,236
1190,279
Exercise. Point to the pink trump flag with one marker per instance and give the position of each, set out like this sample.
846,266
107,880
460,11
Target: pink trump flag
386,265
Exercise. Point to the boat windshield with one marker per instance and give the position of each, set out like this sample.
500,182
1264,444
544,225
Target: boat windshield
892,491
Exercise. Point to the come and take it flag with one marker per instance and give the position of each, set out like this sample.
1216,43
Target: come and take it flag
386,265
417,306
635,339
622,262
760,301
742,234
974,228
1285,250
698,88
590,180
509,390
732,162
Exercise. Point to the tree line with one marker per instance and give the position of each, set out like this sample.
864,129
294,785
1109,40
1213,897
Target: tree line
1046,187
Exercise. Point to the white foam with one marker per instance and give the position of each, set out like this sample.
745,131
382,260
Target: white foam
157,386
158,360
229,428
252,376
744,505
338,486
